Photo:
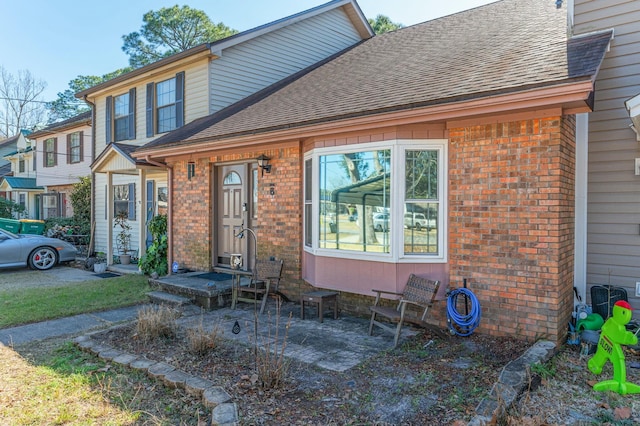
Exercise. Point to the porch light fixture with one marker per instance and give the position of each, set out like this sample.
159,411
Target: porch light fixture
191,169
263,163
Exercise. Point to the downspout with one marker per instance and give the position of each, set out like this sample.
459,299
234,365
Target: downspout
148,159
90,250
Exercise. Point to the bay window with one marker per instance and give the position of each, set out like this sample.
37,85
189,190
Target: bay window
381,200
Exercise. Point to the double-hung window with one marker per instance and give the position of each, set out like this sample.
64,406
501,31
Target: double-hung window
50,148
120,123
74,147
382,201
165,105
121,116
124,200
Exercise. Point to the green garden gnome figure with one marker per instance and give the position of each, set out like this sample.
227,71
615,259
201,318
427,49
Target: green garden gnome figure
612,335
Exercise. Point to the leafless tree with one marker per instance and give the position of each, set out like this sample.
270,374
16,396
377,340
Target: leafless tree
21,104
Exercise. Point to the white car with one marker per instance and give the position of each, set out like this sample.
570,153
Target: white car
35,251
381,222
418,221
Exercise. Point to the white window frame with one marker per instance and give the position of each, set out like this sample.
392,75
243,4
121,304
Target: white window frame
121,113
166,101
75,148
50,154
398,148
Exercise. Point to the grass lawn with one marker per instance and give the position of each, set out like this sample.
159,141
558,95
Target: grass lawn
28,305
53,382
63,385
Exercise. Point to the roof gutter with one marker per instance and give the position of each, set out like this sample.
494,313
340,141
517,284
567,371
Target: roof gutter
574,94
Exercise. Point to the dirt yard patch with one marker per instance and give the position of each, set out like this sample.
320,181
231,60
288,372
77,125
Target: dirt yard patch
429,380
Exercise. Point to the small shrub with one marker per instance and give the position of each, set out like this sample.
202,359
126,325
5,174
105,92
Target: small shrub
155,322
200,341
9,209
270,363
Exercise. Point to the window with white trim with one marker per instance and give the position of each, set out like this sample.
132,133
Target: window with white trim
166,105
121,116
50,146
74,147
124,200
381,200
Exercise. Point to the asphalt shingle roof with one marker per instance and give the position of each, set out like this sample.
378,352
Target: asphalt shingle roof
75,120
502,47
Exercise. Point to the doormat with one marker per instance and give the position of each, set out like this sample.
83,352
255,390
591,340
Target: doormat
214,276
106,275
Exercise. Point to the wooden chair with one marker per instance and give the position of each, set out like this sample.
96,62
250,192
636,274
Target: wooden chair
266,281
419,292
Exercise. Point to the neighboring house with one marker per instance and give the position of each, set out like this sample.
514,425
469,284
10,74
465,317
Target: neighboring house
468,120
134,109
6,146
9,145
63,155
609,214
21,186
5,170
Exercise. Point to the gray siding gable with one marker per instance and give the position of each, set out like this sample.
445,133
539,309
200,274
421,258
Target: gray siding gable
248,67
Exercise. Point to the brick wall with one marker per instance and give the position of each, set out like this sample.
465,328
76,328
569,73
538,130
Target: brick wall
279,220
191,205
511,223
280,215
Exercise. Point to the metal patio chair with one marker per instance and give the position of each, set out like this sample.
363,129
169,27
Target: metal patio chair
265,283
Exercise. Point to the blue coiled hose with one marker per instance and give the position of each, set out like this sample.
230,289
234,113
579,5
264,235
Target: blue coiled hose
463,325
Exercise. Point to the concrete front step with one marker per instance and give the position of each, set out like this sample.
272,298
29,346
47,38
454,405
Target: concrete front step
202,292
163,298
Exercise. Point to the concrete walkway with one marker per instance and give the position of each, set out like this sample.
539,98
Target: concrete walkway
334,344
70,326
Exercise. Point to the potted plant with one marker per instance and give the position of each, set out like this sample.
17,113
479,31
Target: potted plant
100,263
123,239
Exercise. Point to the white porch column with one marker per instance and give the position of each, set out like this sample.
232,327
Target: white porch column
142,212
109,202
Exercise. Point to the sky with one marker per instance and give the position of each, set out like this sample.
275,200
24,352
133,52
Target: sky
56,41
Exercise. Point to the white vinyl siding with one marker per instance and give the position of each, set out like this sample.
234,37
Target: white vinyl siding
104,224
249,67
196,100
195,103
613,200
65,173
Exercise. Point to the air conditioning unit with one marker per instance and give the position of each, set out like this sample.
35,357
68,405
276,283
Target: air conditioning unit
633,106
